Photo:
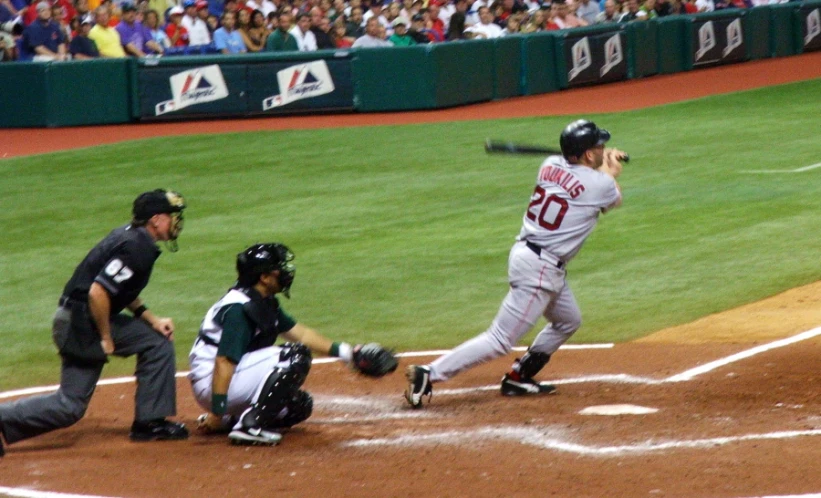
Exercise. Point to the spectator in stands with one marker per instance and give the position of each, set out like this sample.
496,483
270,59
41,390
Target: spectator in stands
320,27
372,37
705,5
43,40
264,6
375,10
400,36
434,23
392,12
418,32
281,40
588,10
486,28
161,8
135,37
633,12
513,25
537,22
106,38
339,33
609,14
152,22
213,23
176,32
456,27
226,39
305,39
353,26
251,27
82,47
59,17
561,18
198,33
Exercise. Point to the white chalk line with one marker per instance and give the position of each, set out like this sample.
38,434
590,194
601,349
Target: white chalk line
31,493
781,171
546,439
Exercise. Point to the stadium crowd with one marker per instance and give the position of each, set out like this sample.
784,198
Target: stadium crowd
56,30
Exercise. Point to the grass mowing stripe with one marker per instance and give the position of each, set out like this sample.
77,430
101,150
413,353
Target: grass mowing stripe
402,232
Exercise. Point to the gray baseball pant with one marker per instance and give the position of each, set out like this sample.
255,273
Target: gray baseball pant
156,395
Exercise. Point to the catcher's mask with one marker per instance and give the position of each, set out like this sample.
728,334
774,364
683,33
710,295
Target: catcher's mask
161,201
581,135
265,258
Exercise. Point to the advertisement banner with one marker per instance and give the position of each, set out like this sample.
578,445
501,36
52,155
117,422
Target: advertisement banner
718,41
167,91
595,58
196,86
812,28
288,86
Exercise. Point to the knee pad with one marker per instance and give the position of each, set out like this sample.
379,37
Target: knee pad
531,363
298,357
299,408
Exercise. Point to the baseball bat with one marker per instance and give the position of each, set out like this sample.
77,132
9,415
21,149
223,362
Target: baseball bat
515,148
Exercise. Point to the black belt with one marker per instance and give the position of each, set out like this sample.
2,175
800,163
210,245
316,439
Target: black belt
538,250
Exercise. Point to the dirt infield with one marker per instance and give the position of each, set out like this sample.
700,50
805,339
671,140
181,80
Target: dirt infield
744,426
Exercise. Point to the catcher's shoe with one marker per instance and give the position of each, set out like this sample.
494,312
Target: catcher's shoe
524,387
419,385
254,436
158,430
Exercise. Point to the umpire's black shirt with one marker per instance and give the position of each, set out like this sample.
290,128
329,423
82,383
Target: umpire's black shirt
121,263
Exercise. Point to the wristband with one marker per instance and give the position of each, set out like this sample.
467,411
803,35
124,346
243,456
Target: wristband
342,350
219,404
139,311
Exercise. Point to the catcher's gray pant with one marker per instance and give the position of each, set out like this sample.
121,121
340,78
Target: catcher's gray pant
156,395
537,288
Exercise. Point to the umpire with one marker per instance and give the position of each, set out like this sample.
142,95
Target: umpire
89,326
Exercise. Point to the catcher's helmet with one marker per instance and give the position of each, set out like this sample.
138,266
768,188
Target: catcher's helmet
265,258
581,135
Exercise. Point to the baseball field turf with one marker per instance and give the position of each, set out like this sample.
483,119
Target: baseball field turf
401,233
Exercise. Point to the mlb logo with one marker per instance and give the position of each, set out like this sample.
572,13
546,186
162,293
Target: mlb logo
735,37
580,53
613,54
706,39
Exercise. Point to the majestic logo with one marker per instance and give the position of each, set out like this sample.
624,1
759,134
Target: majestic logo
581,58
301,82
706,39
813,26
203,84
735,37
613,54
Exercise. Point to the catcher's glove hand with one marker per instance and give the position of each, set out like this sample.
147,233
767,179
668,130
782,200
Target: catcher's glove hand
373,360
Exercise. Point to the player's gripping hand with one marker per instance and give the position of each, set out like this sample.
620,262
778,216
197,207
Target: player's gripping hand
612,163
373,360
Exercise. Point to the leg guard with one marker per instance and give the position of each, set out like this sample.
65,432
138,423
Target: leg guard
279,387
530,364
299,408
298,358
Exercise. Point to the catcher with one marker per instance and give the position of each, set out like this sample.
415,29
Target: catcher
249,385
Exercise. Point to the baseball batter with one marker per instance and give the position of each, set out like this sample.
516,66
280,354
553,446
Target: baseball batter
251,387
571,191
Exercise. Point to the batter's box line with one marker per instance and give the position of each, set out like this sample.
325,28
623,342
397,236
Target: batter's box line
545,438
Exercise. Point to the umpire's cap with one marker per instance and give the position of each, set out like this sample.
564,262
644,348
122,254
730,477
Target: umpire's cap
581,135
157,201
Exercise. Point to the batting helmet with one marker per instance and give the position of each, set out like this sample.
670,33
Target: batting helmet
265,258
581,135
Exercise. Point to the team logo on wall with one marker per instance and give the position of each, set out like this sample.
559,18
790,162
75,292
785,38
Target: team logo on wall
735,37
299,82
581,58
613,54
813,26
196,86
706,39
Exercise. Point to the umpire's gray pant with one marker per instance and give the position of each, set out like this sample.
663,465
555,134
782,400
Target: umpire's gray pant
156,395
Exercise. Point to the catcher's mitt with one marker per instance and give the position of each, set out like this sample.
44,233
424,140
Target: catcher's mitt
373,360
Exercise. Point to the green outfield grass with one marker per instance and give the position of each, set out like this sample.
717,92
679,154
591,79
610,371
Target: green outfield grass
402,232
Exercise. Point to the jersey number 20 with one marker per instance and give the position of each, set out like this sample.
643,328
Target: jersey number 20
539,209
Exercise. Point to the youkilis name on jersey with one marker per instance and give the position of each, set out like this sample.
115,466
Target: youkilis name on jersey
562,178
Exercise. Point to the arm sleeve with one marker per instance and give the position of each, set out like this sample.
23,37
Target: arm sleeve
237,332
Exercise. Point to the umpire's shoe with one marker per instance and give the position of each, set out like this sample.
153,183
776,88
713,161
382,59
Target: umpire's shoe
524,386
158,430
254,436
419,385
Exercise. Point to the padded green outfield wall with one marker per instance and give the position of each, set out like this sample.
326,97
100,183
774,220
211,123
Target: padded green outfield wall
395,79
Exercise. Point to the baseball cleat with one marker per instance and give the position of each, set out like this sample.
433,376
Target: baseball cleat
419,385
158,430
524,387
254,436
